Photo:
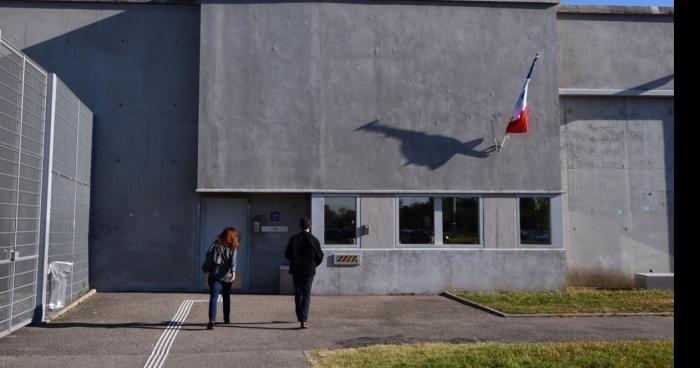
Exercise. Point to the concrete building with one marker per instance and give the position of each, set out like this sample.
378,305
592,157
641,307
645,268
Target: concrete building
617,122
376,119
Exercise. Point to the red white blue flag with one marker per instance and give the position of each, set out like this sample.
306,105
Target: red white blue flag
518,123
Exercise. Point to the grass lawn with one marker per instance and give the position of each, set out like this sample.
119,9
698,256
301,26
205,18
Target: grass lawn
625,354
574,300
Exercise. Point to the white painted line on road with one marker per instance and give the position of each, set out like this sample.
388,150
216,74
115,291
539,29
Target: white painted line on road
162,348
165,342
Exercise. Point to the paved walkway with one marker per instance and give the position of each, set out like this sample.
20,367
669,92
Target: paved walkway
132,329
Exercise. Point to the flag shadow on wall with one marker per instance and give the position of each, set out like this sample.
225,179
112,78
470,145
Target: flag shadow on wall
428,150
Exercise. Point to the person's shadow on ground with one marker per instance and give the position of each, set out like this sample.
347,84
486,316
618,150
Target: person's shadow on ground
162,325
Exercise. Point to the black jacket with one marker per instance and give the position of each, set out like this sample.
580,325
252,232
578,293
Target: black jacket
304,253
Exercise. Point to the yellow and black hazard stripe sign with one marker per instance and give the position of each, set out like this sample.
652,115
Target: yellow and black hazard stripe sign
351,259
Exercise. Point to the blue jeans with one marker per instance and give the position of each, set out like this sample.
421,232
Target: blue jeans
302,295
217,288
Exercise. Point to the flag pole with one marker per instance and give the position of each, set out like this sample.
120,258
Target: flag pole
503,142
496,142
523,96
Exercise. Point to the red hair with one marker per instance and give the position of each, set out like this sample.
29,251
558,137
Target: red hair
229,238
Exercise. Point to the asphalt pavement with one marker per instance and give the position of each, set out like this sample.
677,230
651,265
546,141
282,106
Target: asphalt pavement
169,330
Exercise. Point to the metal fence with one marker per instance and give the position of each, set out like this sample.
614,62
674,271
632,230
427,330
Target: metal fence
23,96
43,217
71,142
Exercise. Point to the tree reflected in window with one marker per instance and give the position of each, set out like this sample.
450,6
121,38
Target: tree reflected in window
416,224
460,220
535,221
340,215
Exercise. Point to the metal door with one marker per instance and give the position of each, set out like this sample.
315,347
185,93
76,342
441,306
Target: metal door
217,214
278,216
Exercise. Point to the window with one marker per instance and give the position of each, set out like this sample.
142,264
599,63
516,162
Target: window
416,220
460,220
339,217
439,220
535,221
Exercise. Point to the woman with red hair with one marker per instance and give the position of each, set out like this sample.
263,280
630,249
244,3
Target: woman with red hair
223,253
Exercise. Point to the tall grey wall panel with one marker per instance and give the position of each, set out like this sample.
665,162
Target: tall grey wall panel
70,189
615,51
617,151
23,92
136,66
365,96
619,170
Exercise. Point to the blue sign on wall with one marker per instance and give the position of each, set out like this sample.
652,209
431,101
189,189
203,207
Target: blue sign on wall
274,216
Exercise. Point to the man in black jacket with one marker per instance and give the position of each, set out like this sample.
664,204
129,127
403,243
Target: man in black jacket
304,254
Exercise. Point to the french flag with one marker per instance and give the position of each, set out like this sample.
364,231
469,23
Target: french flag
518,123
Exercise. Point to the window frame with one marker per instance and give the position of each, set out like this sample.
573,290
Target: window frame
437,220
318,219
555,221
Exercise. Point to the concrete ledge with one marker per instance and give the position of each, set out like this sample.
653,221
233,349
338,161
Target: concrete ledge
507,315
613,9
649,280
65,310
616,92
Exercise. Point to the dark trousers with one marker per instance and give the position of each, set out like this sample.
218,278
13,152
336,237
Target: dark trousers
302,295
217,288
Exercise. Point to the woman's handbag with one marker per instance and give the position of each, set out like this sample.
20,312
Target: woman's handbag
212,260
208,265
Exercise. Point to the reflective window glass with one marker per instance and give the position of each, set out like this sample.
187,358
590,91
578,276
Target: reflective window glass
340,216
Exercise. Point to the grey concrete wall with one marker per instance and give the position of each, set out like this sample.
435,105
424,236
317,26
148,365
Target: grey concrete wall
618,156
424,271
627,50
617,153
379,212
388,267
500,221
136,67
290,91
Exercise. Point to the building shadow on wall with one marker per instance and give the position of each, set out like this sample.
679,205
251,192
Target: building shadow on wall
137,67
649,86
429,150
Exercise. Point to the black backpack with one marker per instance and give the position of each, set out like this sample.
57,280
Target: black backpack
211,260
